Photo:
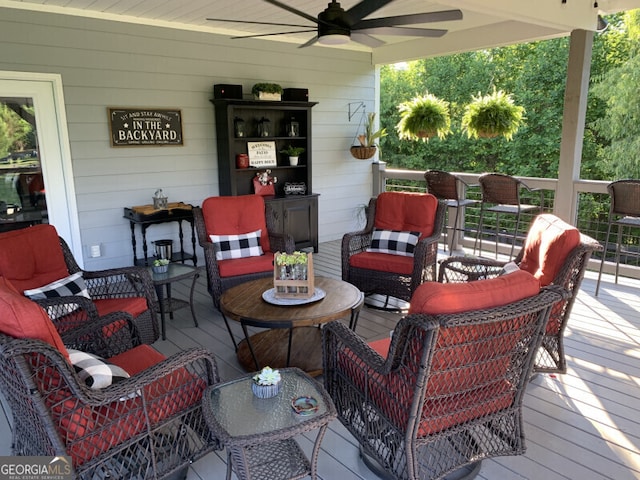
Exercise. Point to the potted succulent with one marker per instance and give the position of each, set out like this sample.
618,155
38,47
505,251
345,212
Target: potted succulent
293,153
267,91
160,265
492,115
266,383
424,117
368,140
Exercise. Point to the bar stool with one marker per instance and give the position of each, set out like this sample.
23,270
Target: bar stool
503,192
446,186
624,211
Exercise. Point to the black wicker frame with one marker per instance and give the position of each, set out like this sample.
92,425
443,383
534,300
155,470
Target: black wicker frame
551,357
161,448
445,420
388,283
216,284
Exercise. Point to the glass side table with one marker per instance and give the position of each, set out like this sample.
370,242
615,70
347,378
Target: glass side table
258,432
176,271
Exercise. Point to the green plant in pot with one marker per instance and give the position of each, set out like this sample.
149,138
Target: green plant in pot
424,117
368,140
293,153
492,115
273,90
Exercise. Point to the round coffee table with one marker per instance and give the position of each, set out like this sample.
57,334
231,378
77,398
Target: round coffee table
293,337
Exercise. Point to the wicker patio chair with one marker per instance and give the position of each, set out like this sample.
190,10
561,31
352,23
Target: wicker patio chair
557,254
446,391
33,257
149,425
386,268
234,215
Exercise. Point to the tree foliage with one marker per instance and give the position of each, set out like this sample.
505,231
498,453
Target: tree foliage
535,75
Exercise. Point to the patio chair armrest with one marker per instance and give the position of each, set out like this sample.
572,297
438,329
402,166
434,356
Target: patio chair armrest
70,311
281,242
120,282
465,269
105,336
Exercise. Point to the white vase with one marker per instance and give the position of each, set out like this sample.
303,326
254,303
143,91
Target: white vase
293,160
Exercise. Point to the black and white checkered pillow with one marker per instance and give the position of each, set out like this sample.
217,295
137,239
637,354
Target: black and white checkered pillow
71,285
237,246
395,242
95,371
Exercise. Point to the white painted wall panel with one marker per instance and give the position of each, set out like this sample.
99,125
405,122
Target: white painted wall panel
121,65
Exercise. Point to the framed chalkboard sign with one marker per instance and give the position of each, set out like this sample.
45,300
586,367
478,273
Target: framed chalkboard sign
142,127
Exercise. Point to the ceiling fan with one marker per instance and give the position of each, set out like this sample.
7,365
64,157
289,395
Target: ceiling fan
335,25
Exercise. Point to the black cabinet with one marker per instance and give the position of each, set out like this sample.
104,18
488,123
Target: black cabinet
298,214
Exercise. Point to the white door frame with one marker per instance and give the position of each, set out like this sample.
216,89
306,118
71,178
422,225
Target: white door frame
55,153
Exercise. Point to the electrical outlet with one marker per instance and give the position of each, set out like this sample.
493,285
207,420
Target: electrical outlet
95,251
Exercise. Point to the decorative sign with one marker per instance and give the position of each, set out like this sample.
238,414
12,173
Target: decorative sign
262,154
144,127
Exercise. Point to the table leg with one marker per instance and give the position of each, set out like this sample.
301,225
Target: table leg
248,339
169,300
160,295
355,312
316,451
289,346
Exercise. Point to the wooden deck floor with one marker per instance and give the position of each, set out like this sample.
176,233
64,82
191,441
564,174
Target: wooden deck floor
584,425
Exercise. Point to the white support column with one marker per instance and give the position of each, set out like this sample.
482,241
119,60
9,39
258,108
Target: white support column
575,107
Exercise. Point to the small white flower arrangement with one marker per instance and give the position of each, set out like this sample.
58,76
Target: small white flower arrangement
267,376
265,178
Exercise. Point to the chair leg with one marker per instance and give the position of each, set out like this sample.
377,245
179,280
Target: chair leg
604,256
479,231
497,232
454,237
515,234
620,227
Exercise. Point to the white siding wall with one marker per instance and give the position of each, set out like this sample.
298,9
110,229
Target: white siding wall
122,65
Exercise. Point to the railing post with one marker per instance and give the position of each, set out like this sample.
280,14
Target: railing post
379,179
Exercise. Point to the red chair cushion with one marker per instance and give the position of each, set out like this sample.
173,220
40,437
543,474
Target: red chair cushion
236,214
383,262
414,212
549,242
445,298
245,266
22,318
133,305
32,257
89,432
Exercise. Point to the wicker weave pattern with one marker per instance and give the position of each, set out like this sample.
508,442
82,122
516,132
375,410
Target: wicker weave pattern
117,432
388,283
551,356
125,282
450,392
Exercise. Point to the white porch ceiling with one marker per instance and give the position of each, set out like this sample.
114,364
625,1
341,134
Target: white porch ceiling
485,23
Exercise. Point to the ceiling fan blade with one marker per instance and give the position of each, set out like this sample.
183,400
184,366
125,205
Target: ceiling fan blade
292,10
272,34
309,43
413,19
364,8
409,32
260,23
367,40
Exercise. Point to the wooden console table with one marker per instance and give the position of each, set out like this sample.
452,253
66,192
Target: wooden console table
146,215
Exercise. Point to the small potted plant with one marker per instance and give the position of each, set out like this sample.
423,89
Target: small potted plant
424,117
293,153
266,383
160,265
492,115
368,140
267,91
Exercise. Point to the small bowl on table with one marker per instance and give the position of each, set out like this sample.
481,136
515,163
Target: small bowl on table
304,405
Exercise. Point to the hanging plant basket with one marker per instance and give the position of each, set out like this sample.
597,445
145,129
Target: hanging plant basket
362,153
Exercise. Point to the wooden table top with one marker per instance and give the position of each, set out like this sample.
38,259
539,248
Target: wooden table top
244,303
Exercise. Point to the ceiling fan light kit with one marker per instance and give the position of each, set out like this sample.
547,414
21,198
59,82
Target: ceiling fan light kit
336,26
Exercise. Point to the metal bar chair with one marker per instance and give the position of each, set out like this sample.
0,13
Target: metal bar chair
503,192
624,211
450,188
